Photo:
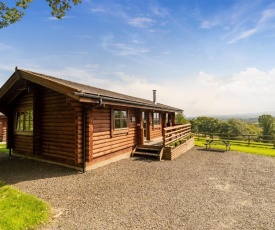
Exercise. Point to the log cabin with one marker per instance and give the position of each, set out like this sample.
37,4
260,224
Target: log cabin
84,127
3,127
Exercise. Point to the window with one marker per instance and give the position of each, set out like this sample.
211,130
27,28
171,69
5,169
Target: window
24,121
120,119
156,119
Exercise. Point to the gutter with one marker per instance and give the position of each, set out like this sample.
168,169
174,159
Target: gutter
125,101
84,111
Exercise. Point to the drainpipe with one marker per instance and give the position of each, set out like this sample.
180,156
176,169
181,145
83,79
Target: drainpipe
84,111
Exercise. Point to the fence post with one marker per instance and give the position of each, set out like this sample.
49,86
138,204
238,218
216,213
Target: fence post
248,140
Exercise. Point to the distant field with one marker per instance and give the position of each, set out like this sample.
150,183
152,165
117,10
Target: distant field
242,146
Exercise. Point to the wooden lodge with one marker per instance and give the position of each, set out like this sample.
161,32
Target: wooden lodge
85,127
3,127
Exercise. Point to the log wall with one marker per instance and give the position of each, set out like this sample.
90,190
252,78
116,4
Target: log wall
60,126
106,145
3,127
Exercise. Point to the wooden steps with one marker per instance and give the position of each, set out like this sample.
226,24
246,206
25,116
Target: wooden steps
148,150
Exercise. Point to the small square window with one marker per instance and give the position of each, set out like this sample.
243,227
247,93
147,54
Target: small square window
24,121
120,119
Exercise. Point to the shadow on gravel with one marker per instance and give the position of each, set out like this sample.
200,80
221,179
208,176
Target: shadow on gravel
212,150
148,159
17,169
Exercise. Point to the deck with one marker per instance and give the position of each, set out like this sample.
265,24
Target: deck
156,142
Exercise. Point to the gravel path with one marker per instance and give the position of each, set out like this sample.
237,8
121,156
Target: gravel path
199,190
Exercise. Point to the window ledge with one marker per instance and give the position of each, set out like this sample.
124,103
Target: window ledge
120,131
25,133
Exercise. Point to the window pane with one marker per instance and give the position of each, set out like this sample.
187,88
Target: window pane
18,119
21,121
117,123
27,121
117,113
123,114
123,123
31,120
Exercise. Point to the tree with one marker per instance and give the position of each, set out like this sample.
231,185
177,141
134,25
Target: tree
180,119
10,15
205,124
266,122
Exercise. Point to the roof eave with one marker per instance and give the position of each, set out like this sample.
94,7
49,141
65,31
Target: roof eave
118,101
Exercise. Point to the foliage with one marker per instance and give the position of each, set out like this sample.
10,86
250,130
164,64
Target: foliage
180,119
10,15
232,126
266,122
20,210
204,124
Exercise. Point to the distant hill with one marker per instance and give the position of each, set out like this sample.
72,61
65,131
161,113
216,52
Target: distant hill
248,117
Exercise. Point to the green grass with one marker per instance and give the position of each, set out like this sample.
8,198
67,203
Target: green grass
19,210
255,148
3,148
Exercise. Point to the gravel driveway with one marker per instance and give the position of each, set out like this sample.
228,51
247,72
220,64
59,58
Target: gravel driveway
199,190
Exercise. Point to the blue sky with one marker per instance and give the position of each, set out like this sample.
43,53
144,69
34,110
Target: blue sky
205,57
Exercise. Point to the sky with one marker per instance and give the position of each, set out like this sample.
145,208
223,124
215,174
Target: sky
213,57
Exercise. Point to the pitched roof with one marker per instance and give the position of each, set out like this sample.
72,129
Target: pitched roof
80,91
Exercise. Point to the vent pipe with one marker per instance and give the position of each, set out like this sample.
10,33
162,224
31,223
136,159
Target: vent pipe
154,96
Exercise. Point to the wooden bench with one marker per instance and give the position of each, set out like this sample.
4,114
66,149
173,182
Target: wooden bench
210,141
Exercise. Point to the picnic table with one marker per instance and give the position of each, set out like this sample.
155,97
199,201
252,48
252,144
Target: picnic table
210,141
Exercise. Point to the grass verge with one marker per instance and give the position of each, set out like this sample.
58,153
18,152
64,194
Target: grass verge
265,150
3,148
19,210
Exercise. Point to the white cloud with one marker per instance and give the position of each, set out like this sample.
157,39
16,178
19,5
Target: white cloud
265,22
240,21
159,11
4,47
244,34
207,24
98,10
130,48
250,90
141,22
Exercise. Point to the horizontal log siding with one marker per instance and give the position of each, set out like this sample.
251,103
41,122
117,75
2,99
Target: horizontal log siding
59,129
105,146
23,144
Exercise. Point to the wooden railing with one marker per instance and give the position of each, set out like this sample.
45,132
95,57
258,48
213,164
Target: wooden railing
176,133
248,139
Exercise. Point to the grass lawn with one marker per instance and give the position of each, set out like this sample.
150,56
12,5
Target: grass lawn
267,150
3,148
19,210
